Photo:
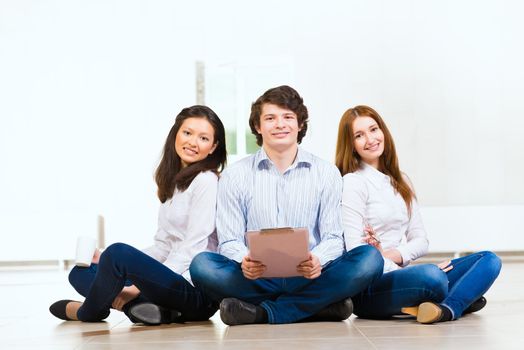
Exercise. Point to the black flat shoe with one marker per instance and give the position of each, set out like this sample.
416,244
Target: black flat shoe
335,312
235,312
477,305
151,314
58,309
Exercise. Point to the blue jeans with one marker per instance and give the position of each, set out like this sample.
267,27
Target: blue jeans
291,299
120,265
469,279
82,278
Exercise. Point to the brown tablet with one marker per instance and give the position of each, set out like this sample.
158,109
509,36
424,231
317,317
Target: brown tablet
280,249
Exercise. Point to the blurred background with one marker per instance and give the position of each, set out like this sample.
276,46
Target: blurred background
90,89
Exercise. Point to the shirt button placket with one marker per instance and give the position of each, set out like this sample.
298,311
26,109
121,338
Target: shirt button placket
281,201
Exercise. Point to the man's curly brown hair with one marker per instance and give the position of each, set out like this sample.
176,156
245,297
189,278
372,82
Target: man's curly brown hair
285,97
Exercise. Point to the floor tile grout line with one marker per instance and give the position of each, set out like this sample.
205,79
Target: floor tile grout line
427,336
363,335
86,342
222,341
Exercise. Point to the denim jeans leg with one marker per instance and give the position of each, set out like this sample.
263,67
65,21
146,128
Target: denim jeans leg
157,283
469,279
409,286
81,278
342,278
220,277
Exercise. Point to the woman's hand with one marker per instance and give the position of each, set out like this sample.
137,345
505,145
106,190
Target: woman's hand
445,265
371,238
252,269
310,268
126,295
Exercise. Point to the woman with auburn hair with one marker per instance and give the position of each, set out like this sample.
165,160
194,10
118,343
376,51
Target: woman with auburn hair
153,286
379,208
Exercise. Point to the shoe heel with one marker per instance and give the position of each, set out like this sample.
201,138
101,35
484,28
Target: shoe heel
411,310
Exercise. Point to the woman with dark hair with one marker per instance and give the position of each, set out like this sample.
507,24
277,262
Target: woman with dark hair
379,208
153,286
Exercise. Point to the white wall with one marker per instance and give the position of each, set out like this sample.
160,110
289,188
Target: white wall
89,90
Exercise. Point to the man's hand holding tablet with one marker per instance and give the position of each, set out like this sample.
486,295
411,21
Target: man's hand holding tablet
280,252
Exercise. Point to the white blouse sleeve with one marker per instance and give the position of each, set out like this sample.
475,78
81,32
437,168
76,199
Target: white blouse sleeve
200,222
389,265
353,208
416,238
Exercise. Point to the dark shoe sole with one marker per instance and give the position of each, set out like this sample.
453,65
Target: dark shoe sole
477,305
348,309
153,315
335,312
234,312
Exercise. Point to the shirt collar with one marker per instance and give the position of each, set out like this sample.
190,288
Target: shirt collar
377,178
303,159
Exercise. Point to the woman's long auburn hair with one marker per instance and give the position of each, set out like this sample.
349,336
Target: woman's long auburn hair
170,174
348,160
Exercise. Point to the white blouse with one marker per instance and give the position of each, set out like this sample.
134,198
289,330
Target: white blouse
368,197
186,225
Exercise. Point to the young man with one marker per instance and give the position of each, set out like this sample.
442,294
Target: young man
282,186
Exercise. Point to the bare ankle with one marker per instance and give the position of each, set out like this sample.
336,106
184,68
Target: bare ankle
72,309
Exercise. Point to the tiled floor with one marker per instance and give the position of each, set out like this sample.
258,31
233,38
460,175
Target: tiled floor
25,323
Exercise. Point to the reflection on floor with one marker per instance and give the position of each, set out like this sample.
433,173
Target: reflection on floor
25,323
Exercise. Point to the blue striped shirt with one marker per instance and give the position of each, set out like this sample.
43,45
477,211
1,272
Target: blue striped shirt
253,195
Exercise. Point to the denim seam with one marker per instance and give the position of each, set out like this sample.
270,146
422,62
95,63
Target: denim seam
460,279
431,292
194,292
114,289
269,310
450,309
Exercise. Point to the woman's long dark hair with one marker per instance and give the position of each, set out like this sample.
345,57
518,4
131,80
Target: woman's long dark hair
170,174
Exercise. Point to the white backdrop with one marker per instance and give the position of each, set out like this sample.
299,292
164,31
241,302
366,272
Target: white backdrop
89,90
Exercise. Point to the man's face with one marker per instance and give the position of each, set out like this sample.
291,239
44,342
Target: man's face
278,127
